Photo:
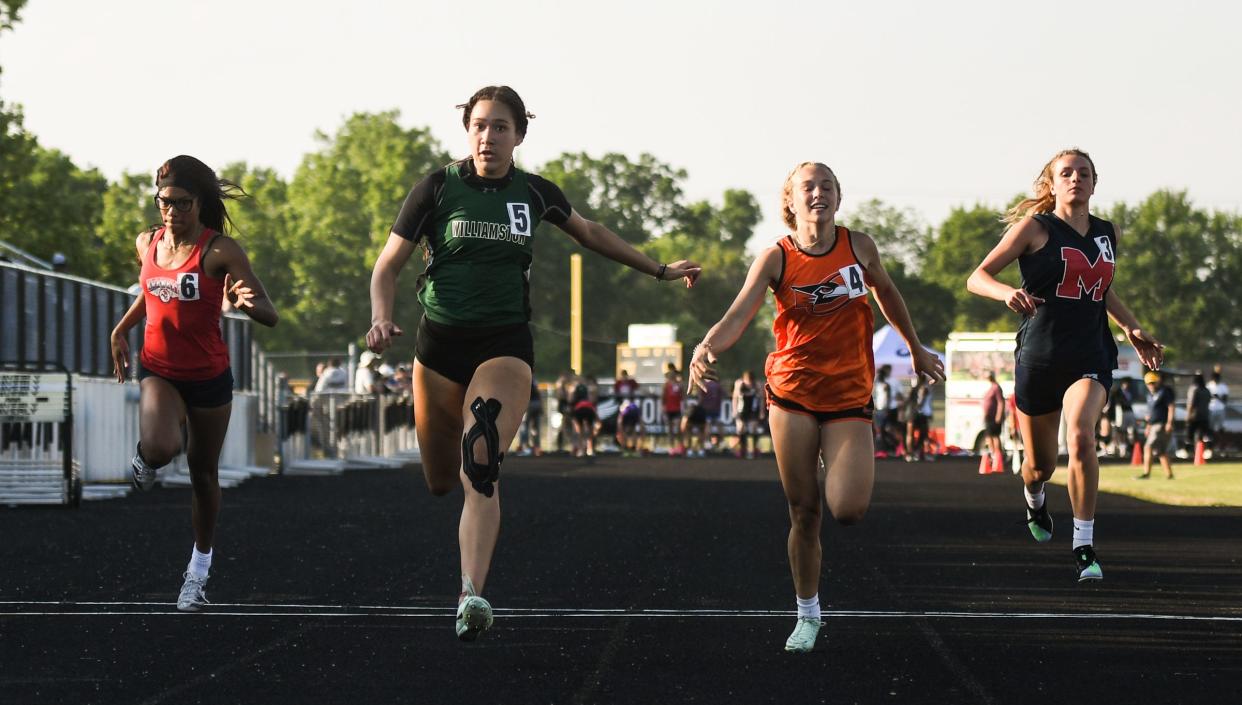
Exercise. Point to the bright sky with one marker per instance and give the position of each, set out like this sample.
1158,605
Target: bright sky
925,105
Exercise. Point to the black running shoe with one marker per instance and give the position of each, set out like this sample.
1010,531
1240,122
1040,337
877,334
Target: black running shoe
1088,567
1040,523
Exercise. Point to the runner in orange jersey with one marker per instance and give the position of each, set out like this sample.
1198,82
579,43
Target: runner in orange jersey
821,374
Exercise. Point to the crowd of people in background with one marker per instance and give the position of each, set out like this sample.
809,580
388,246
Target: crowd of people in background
689,422
903,418
371,376
692,423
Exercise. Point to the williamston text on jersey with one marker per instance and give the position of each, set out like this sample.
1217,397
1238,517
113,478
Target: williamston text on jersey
486,231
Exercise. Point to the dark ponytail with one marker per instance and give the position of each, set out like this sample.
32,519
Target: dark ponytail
188,173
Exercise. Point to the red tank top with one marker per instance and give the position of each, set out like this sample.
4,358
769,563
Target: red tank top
823,358
183,339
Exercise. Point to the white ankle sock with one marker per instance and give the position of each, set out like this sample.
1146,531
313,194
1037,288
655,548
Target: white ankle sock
1034,500
200,563
809,607
1084,532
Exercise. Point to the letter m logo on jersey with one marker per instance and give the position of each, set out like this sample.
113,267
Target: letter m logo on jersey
1082,276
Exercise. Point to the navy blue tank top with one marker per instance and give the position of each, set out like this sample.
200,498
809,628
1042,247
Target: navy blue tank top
1072,273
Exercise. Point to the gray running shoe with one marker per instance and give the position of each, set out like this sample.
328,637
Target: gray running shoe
143,474
192,597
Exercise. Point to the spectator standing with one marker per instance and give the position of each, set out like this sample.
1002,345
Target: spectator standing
1216,406
1159,424
993,418
334,378
1198,411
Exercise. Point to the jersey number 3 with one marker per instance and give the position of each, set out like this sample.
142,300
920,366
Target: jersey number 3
519,218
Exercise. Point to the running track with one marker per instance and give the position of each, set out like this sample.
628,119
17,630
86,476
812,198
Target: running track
623,581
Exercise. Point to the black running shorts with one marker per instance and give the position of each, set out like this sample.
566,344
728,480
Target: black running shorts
457,351
199,394
1040,391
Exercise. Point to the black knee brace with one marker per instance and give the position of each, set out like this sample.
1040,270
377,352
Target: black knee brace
482,476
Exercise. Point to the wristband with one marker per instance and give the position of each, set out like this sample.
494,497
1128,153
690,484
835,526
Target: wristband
660,272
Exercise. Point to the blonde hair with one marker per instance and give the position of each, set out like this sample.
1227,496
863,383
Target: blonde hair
787,192
1044,201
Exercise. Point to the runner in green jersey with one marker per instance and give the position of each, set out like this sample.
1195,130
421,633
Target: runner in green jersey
473,358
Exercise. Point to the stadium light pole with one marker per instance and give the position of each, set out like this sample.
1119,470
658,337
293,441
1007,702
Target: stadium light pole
575,313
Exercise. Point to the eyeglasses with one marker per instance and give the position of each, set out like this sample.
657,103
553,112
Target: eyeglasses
181,204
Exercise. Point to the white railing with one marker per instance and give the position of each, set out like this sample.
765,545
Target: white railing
343,430
106,430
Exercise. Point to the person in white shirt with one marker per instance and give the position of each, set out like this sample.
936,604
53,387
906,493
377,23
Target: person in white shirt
1216,406
367,380
333,379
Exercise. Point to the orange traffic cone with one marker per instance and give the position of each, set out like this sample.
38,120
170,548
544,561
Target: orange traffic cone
998,466
1137,459
985,466
1199,453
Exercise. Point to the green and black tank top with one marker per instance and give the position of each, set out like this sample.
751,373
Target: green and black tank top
479,234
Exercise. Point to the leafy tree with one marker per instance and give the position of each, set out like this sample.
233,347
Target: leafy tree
903,242
128,208
47,204
900,235
642,201
636,200
1178,270
261,224
729,225
961,243
341,204
10,13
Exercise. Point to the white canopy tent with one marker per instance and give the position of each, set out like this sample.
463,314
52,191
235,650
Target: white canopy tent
889,349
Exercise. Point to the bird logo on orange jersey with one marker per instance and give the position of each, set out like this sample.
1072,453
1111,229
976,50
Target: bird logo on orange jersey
823,298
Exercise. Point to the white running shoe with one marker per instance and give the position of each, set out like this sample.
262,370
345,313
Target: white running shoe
802,640
192,597
474,614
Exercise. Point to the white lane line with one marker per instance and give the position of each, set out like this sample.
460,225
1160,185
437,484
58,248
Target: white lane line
123,609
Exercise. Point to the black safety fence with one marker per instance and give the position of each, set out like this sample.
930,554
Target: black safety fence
52,318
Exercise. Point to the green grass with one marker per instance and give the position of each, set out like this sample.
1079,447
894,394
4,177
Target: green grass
1212,485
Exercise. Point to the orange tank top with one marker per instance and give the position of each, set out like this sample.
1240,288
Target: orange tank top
823,359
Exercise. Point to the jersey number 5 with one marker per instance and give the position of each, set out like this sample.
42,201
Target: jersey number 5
519,218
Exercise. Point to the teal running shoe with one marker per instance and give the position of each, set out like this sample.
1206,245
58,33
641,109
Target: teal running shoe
474,614
1040,523
1088,567
802,640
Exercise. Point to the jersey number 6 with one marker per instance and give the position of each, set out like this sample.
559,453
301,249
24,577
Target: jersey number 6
187,286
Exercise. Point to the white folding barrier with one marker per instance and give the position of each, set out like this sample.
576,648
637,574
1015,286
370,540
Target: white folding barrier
334,431
106,432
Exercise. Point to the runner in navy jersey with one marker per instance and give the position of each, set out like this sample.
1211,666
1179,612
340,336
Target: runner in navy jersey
1065,354
474,351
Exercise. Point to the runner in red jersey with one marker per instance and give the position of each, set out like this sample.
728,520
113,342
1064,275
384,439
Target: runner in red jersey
821,374
189,267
